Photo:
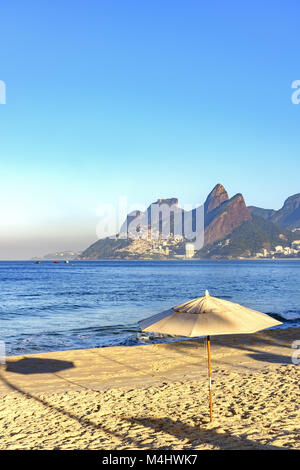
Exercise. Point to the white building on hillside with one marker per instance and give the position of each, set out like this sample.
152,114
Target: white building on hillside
189,250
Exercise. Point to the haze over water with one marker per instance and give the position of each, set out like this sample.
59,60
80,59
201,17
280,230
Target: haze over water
86,304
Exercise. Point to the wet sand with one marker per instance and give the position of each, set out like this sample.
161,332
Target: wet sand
155,396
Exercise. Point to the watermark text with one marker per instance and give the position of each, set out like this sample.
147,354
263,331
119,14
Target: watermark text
296,93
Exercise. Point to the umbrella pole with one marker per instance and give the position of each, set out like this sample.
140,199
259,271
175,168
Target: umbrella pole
209,378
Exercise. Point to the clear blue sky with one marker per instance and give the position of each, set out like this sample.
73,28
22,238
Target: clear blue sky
142,99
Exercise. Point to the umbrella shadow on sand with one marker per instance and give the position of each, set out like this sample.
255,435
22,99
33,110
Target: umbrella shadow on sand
32,365
252,348
195,435
270,357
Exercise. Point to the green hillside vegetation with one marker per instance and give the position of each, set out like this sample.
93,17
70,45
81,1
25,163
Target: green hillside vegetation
288,216
248,239
265,213
106,248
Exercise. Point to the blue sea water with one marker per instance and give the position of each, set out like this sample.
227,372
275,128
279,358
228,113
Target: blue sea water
85,304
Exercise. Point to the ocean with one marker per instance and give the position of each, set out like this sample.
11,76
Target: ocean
87,304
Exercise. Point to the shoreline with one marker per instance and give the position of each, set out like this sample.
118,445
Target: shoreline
38,363
155,396
141,344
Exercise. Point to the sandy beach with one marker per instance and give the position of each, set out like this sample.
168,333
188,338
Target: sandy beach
155,396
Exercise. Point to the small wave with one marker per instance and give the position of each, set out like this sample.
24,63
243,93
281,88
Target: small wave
75,293
292,314
287,316
28,295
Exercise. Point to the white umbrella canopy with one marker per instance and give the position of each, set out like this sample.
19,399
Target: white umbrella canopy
207,316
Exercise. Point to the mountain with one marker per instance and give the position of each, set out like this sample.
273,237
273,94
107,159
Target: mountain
106,248
264,213
288,216
221,216
215,198
224,217
58,255
138,223
231,229
248,239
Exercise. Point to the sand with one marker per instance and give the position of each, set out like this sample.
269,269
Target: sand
155,396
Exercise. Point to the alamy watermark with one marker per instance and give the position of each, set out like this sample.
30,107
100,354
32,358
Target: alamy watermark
162,220
296,93
296,354
2,92
2,352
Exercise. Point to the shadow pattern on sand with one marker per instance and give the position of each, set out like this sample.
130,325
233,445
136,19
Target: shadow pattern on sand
193,436
82,420
246,344
33,365
186,432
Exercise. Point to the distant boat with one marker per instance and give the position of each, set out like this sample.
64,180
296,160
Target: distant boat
67,261
55,261
37,262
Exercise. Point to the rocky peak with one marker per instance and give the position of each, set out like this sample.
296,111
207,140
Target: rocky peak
170,201
225,218
289,215
215,198
292,202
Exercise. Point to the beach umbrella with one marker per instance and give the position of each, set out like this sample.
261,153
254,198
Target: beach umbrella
208,316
